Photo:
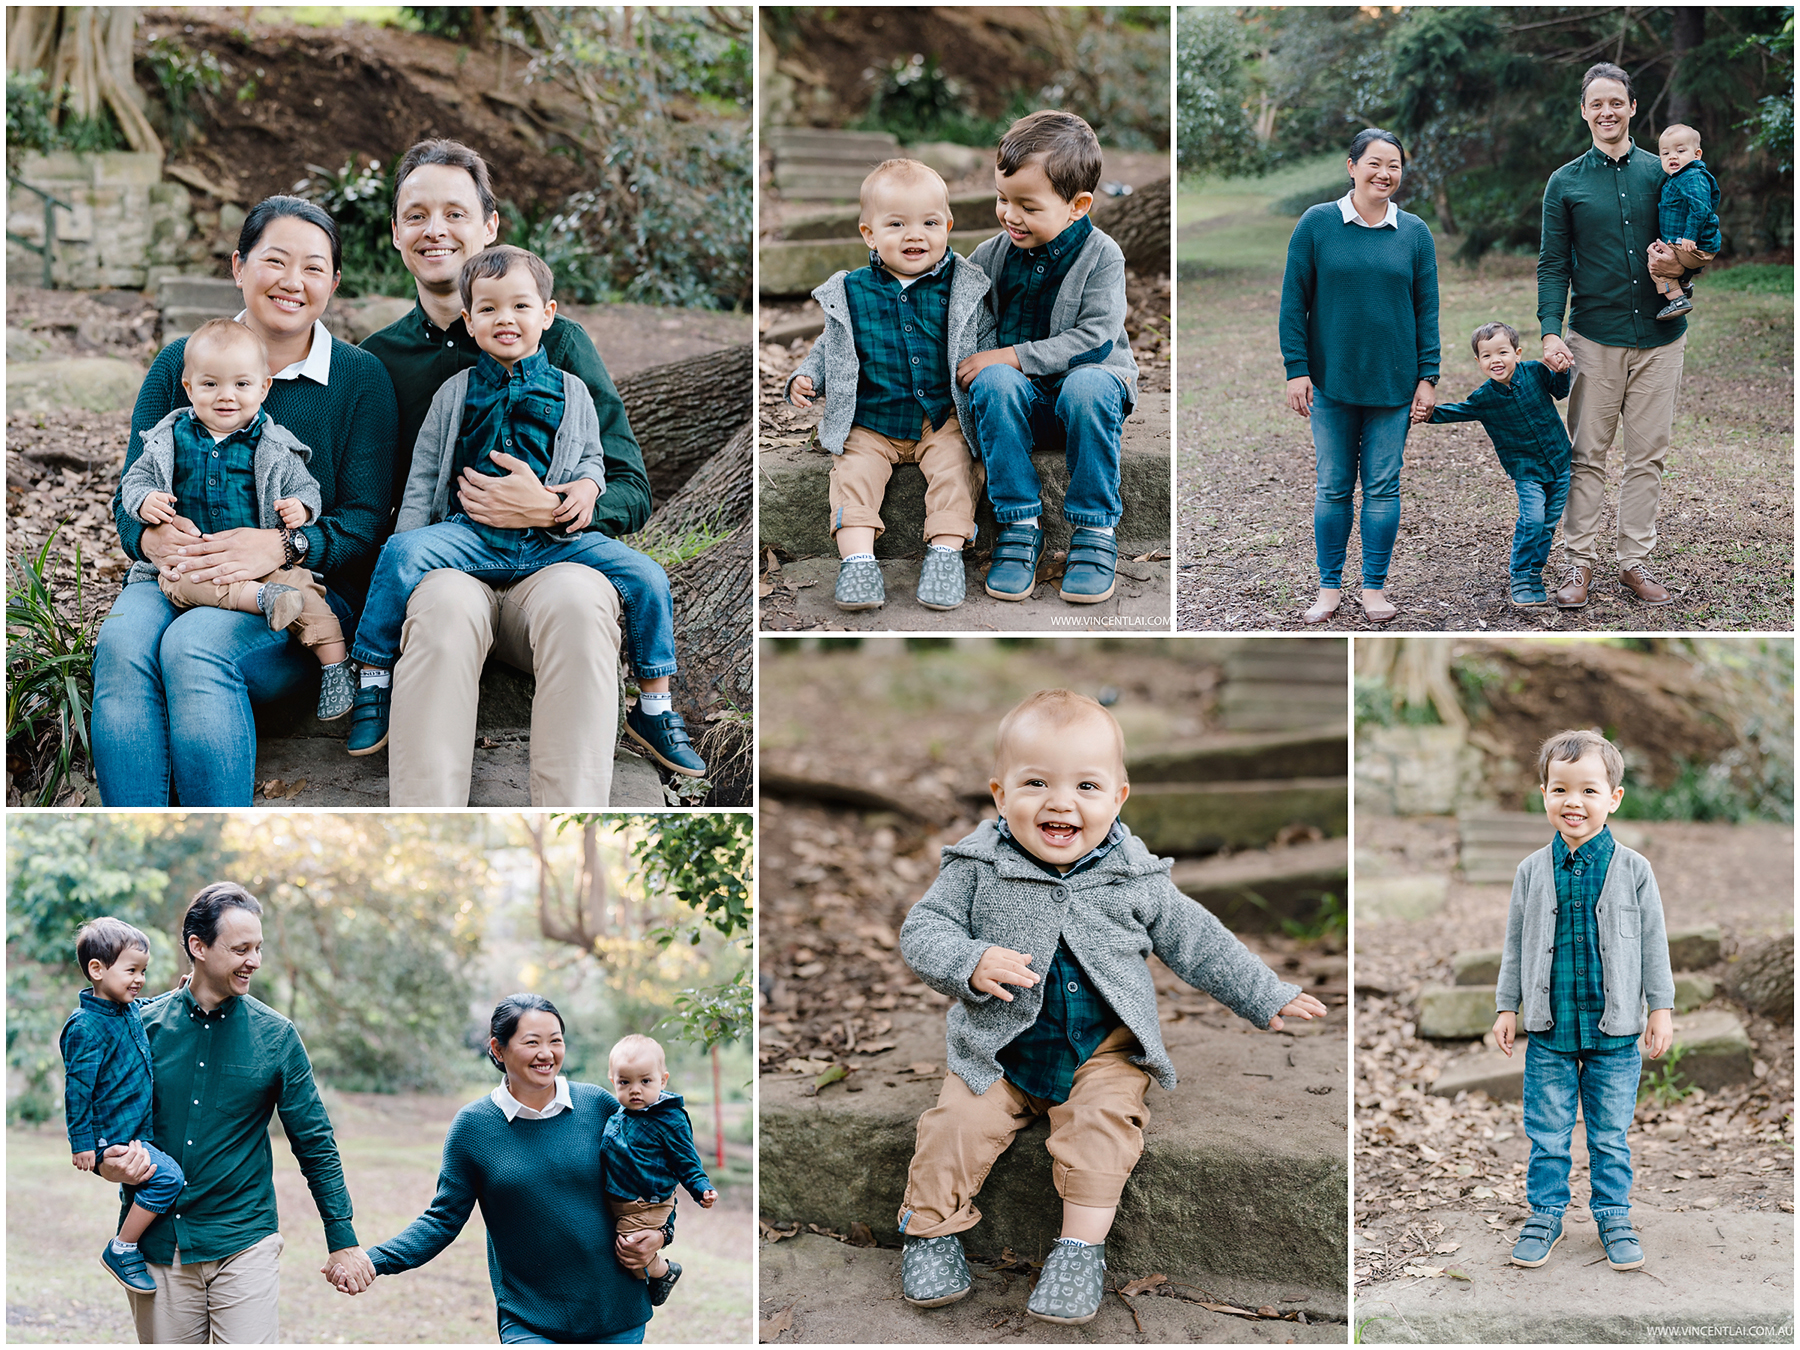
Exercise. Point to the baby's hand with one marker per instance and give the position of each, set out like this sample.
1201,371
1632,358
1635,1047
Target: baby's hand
578,501
707,1198
1505,1028
800,392
158,508
999,967
1305,1007
292,512
971,366
84,1161
1660,1033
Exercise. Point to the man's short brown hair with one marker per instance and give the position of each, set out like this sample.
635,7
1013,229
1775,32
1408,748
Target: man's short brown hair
223,331
1606,70
902,170
1070,149
1568,746
493,263
455,155
1060,708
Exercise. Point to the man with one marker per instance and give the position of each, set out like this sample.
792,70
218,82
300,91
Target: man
223,1062
1600,220
561,624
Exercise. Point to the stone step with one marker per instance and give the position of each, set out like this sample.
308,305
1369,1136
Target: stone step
1274,684
805,140
790,269
1288,881
1483,968
189,301
1461,1012
1493,844
1236,758
794,506
1243,1171
91,383
1201,818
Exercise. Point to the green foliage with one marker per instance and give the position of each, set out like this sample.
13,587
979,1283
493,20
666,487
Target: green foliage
716,1014
1668,1086
1329,920
1215,132
359,197
1378,703
671,550
1711,792
917,100
32,121
182,74
49,675
1754,279
456,22
1771,126
1299,203
1117,77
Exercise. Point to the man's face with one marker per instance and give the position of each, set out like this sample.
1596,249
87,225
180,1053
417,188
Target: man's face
224,969
1608,110
1578,797
438,225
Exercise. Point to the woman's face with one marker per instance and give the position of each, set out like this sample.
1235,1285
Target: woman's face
534,1055
287,278
1377,173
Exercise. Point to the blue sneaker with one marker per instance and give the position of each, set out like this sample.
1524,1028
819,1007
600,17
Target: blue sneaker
1012,575
369,719
1090,575
127,1268
660,1285
1537,1239
1623,1251
1529,593
666,739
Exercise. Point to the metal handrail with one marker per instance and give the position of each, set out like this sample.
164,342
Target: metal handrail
50,205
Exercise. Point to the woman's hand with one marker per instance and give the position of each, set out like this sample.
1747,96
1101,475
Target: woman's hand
1299,395
578,500
1424,400
229,556
159,543
519,501
639,1249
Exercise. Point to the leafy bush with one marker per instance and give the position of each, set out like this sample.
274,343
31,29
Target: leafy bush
31,120
49,676
181,74
917,100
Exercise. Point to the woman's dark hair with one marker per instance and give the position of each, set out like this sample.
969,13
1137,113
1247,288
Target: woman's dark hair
270,209
507,1013
203,911
1368,136
105,940
451,154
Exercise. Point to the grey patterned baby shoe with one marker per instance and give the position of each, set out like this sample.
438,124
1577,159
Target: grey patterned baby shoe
941,579
933,1271
337,691
1072,1284
859,585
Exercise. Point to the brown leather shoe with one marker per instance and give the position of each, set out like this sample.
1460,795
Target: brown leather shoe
1573,593
1637,579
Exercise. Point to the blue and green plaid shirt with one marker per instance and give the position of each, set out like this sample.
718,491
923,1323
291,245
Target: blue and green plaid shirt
902,336
1689,207
215,482
1029,281
1521,418
109,1079
516,412
1577,982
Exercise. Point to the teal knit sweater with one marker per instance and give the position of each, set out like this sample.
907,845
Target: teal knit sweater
1359,307
550,1235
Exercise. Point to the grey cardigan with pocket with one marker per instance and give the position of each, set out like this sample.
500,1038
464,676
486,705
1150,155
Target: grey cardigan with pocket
833,368
575,453
1087,322
278,465
1634,949
1113,916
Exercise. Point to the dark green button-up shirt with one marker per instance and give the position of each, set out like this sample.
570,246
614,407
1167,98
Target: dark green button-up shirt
1577,980
219,1077
1600,218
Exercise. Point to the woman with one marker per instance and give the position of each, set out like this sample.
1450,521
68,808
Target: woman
528,1154
173,688
1359,335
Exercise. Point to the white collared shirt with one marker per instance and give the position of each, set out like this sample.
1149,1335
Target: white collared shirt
517,1110
316,365
1390,221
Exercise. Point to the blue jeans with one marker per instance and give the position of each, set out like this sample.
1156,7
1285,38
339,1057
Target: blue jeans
1354,440
1606,1085
405,559
511,1333
1012,413
158,1193
1540,507
172,696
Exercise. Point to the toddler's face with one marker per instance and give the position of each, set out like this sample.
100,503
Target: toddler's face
1497,357
506,315
1061,787
1677,151
123,980
1578,798
638,1081
908,225
226,382
1028,207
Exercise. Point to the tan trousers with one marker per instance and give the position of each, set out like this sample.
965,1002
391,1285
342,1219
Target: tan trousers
635,1216
561,625
230,1302
1667,274
315,627
1096,1138
1628,389
859,478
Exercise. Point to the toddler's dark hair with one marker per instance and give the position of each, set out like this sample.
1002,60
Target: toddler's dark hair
1569,746
103,939
1606,70
493,263
452,154
507,1013
203,911
1493,330
1071,151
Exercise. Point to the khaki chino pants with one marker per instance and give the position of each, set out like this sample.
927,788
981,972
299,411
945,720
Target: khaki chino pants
1096,1138
315,627
859,479
234,1301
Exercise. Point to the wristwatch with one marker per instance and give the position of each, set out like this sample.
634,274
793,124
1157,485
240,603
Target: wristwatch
293,546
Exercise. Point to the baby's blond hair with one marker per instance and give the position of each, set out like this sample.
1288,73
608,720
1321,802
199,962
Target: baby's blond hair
222,333
1060,708
628,1046
1683,129
908,171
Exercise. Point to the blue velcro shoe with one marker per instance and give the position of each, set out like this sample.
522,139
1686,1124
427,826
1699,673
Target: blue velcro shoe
337,691
1091,573
933,1271
859,585
1071,1285
1623,1251
127,1268
1537,1239
1012,575
660,1285
1529,593
369,719
666,738
941,579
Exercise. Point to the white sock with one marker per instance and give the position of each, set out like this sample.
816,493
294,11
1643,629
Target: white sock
655,705
1032,522
121,1246
1074,1242
1104,529
858,557
375,679
945,548
259,591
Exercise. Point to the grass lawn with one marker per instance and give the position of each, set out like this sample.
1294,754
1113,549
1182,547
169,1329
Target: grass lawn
57,1219
1245,463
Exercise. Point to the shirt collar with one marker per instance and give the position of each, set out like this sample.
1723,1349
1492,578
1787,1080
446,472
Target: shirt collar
316,366
250,432
94,1003
1073,236
1114,837
943,264
226,1004
1597,850
515,1109
1600,156
528,368
1389,221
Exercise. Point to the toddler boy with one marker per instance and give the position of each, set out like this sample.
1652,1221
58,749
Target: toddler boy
109,1084
1059,901
886,367
1517,405
1062,373
514,402
1687,216
1585,953
229,466
646,1149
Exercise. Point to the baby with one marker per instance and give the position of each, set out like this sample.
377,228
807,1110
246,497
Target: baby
229,466
647,1148
514,402
1060,902
108,1084
1688,216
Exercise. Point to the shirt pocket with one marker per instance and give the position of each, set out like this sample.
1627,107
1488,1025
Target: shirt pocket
1630,920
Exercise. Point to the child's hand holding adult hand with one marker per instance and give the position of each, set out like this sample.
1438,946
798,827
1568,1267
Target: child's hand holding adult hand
1300,394
1306,1007
1556,353
158,508
1424,400
292,512
1659,1035
707,1198
800,392
578,500
1505,1028
84,1161
971,366
999,967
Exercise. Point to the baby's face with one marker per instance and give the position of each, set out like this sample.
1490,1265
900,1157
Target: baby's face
226,382
638,1080
1677,151
1497,357
123,980
1028,207
1578,797
908,225
506,315
1061,787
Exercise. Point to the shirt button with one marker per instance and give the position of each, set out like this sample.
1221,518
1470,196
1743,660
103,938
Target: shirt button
919,392
1074,988
203,1064
915,360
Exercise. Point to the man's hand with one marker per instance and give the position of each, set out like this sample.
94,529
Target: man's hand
578,500
126,1164
519,501
800,392
637,1250
292,511
84,1161
707,1198
999,967
1300,395
350,1269
1556,353
1306,1007
1662,262
971,366
157,509
1506,1026
228,556
1659,1035
1424,400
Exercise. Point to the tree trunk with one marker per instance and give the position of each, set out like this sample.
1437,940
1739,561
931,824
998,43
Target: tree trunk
683,412
714,618
717,496
1763,979
88,49
1689,33
1139,224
